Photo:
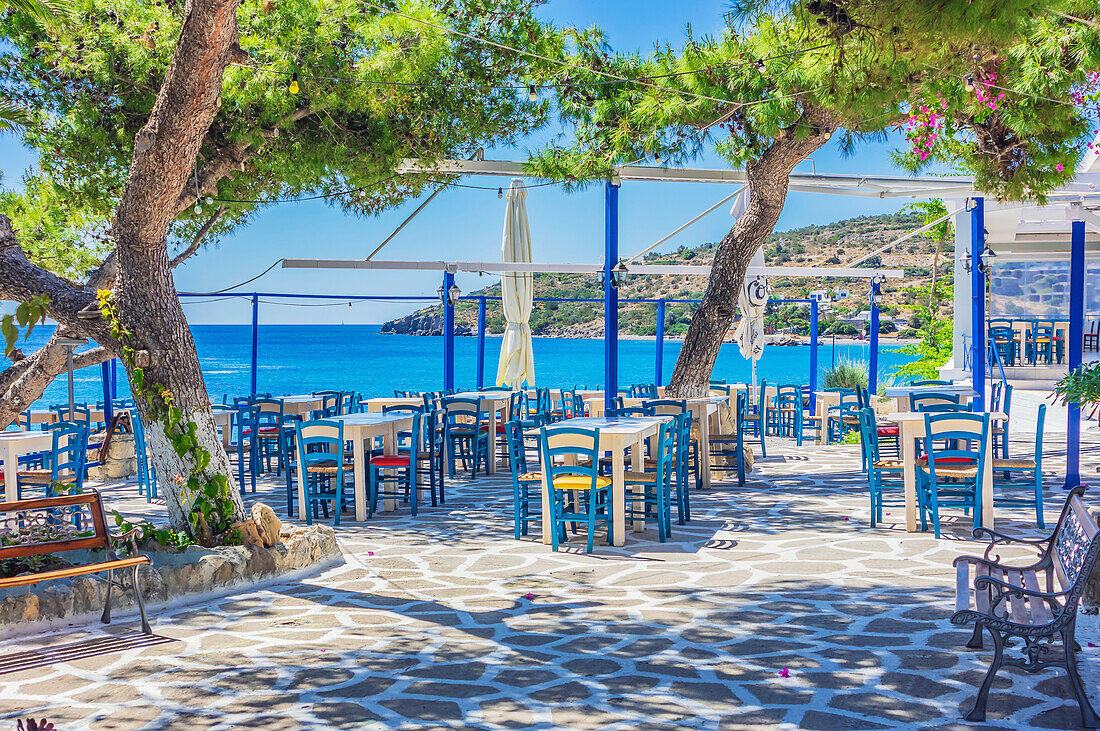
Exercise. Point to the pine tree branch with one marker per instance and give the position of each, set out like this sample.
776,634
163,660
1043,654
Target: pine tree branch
196,241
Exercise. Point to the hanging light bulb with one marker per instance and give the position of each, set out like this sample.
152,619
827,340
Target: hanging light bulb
657,157
970,83
761,67
294,88
209,200
532,93
198,208
500,192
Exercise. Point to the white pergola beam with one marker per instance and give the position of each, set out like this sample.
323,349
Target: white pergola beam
540,268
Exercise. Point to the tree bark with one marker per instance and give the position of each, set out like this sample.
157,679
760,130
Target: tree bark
145,296
767,189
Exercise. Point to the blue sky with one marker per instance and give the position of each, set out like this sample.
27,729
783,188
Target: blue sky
464,224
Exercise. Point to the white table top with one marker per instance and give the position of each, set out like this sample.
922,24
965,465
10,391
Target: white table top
902,391
919,415
296,399
614,424
483,395
371,419
24,436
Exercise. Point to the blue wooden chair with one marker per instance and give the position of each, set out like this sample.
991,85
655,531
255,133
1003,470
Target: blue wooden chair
147,473
288,448
268,424
683,457
654,500
526,484
63,465
246,443
786,418
582,480
394,476
1040,343
1003,338
467,434
881,473
952,477
747,419
930,382
935,401
1000,399
1032,466
675,407
754,416
321,454
842,418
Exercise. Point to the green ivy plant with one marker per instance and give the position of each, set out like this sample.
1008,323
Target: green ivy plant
164,536
210,517
27,314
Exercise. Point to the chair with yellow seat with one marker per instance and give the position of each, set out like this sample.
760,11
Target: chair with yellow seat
526,483
570,457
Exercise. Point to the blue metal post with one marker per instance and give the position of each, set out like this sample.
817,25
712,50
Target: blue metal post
255,339
659,378
813,356
1076,338
977,300
108,407
872,365
481,342
610,296
448,333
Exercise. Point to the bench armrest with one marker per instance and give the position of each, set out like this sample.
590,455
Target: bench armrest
1000,539
131,536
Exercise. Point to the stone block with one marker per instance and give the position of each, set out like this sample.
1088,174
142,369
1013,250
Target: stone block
267,523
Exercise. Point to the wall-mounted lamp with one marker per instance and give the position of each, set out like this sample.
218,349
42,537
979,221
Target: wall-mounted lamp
618,275
452,295
875,295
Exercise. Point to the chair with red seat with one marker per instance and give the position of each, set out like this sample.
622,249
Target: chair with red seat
467,433
269,422
400,471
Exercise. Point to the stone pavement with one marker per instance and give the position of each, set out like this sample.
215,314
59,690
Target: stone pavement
777,607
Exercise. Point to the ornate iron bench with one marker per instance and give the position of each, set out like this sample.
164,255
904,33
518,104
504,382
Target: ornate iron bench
1021,601
42,526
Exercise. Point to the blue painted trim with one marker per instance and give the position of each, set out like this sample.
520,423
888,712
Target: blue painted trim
813,356
255,340
872,366
108,407
1076,342
610,295
448,333
658,370
481,342
977,300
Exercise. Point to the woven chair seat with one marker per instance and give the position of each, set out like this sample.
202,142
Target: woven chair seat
1013,464
998,430
949,469
889,464
579,482
651,478
327,469
530,477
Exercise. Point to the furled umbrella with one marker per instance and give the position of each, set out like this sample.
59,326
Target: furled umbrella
517,359
752,300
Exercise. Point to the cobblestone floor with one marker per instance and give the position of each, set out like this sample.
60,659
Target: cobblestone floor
427,625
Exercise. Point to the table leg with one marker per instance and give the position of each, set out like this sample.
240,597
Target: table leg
389,448
302,508
547,523
822,410
987,485
11,472
227,433
907,434
618,496
494,438
359,457
704,447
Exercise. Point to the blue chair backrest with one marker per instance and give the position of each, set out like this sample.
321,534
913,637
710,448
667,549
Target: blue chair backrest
868,434
1039,421
517,454
644,410
269,412
667,442
922,401
563,441
660,407
930,382
80,414
463,414
321,442
964,436
69,450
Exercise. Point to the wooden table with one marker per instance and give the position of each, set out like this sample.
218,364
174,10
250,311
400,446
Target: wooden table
965,392
493,402
13,445
616,435
379,403
358,428
911,425
824,399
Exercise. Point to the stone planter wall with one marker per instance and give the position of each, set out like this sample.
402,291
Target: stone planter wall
121,460
171,576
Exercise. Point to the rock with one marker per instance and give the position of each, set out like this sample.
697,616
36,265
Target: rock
268,524
750,458
250,533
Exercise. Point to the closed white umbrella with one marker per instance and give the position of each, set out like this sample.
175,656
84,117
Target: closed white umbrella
517,358
752,300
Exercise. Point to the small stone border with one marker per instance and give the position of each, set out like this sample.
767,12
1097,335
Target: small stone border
171,576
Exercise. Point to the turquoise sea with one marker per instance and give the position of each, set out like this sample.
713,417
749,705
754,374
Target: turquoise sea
304,358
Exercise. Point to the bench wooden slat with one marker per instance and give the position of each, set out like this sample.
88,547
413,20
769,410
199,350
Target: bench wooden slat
981,598
66,573
962,586
1016,605
1040,614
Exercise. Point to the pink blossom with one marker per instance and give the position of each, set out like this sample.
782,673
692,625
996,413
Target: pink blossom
1058,167
784,673
370,553
528,596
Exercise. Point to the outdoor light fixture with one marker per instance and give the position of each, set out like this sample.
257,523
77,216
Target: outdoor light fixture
532,94
966,261
618,275
294,89
757,290
452,295
875,295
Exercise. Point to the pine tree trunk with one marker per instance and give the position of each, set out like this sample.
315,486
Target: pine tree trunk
767,189
149,308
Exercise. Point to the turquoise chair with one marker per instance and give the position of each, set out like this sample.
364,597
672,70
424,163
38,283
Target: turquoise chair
526,484
582,479
247,444
654,500
786,418
321,454
746,419
1000,399
675,407
934,401
754,416
289,450
1033,466
147,474
881,473
953,477
63,464
467,434
268,423
842,418
395,476
683,457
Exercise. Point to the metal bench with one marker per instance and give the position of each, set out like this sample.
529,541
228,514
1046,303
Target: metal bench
42,526
1021,601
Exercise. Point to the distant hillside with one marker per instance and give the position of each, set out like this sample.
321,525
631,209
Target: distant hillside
826,245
